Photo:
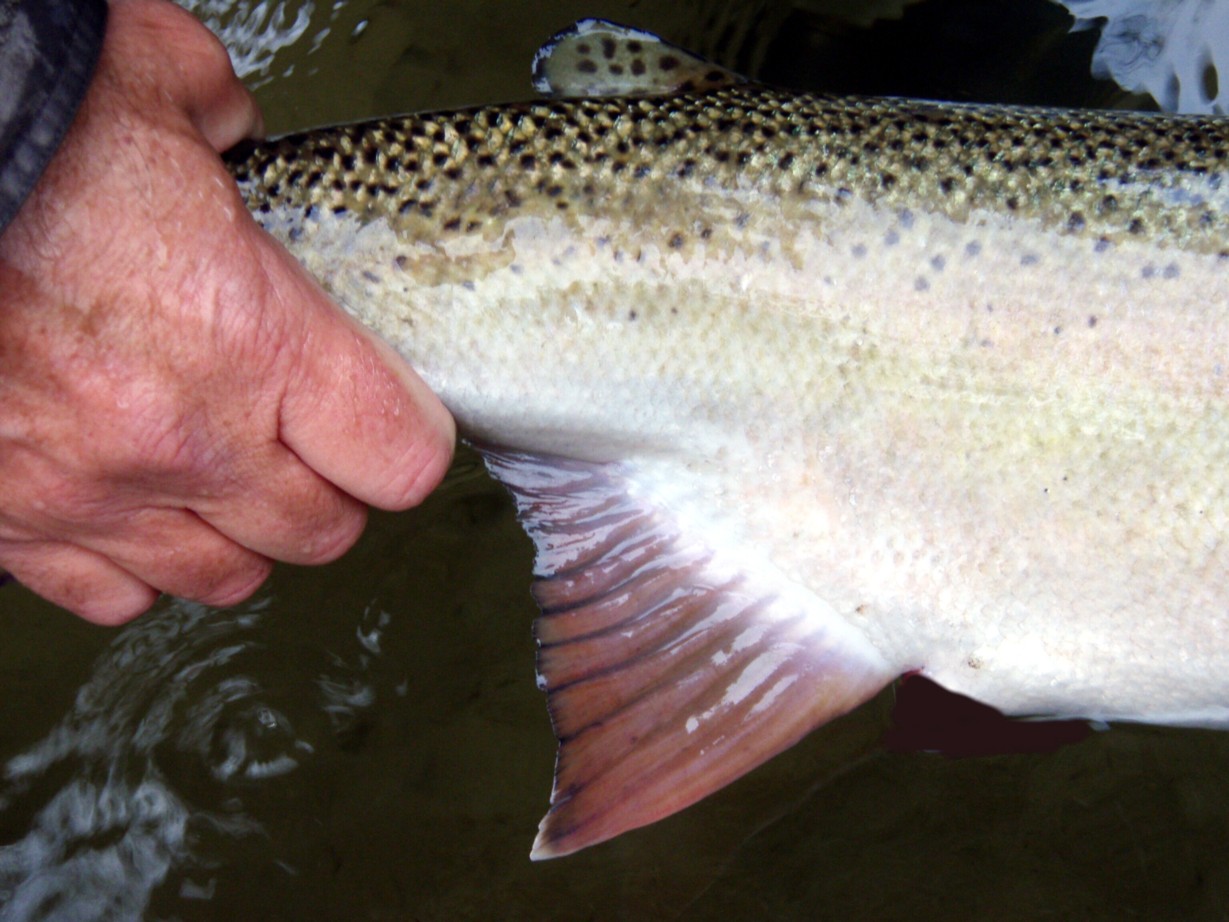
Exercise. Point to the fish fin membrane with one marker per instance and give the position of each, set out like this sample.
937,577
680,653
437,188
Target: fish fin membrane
669,671
596,57
1177,52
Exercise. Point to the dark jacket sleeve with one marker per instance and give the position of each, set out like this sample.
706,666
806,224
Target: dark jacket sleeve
48,49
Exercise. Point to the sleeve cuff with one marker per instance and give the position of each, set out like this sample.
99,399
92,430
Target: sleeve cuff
48,49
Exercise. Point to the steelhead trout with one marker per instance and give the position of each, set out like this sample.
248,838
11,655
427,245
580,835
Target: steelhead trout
798,393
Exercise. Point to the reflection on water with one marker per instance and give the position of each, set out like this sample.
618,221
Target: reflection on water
100,843
180,719
365,740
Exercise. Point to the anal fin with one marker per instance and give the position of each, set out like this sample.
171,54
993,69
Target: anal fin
671,668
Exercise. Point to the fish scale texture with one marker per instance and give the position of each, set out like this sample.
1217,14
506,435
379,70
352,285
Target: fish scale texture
1100,174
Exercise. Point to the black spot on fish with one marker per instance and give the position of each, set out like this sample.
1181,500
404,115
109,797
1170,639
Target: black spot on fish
1092,321
920,284
587,66
858,251
1171,271
1147,272
937,263
972,248
668,62
1029,259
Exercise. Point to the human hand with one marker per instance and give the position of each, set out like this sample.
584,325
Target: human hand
179,401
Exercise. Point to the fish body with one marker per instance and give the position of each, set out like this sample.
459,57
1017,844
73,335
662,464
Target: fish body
799,393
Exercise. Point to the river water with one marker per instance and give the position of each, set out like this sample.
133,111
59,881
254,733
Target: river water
365,740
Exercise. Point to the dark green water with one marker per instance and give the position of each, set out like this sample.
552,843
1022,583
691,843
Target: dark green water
365,740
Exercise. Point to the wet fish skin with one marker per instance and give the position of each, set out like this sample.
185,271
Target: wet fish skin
949,380
1089,173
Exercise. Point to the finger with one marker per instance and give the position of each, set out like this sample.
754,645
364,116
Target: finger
200,78
217,103
81,581
177,552
357,414
227,113
288,512
228,118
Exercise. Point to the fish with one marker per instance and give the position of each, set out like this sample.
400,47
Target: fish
798,393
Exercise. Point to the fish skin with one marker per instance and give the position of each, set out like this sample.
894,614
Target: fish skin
957,371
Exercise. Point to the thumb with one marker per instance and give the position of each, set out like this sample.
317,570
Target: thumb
169,52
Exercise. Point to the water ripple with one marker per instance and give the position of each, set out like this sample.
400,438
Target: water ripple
181,716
